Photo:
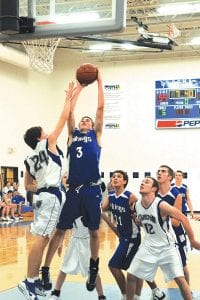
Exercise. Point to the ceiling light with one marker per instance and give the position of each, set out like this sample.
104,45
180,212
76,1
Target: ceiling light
100,47
195,41
179,9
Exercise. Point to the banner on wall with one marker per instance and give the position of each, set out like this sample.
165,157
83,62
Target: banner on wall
114,101
177,103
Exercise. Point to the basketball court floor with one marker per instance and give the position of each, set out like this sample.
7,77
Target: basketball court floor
15,242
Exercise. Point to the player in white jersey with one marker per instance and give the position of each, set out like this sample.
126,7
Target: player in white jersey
76,259
44,166
158,248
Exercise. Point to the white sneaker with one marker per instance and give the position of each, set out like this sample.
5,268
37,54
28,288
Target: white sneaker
158,295
28,290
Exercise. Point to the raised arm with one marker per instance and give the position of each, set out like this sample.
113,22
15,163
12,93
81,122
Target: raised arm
52,138
71,119
98,124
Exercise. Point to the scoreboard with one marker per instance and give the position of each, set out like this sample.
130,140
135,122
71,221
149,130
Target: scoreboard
177,103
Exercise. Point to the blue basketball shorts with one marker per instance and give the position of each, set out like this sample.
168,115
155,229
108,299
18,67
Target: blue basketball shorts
124,253
182,243
85,202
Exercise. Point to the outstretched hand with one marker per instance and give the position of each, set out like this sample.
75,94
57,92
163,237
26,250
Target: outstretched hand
79,86
70,91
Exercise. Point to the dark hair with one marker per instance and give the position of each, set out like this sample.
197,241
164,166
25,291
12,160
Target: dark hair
32,135
170,171
88,118
179,171
103,187
155,183
123,173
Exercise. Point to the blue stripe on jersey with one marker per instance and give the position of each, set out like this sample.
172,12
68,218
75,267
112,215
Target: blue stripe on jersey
28,169
84,155
160,220
59,151
45,165
55,158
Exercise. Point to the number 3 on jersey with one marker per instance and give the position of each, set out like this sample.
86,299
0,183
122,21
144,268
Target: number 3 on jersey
79,152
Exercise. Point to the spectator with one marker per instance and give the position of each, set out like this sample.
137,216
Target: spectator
7,187
9,213
18,200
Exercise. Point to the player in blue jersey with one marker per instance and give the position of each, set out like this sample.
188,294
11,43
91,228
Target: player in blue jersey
158,247
184,190
84,195
44,166
122,203
171,195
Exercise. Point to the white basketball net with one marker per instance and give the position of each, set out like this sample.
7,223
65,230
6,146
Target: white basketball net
173,31
41,53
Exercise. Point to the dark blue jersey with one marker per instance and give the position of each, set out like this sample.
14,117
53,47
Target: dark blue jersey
122,214
83,154
170,198
183,191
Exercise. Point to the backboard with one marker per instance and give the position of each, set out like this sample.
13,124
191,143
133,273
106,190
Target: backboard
62,18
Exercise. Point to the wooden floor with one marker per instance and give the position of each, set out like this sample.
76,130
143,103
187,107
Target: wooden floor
15,242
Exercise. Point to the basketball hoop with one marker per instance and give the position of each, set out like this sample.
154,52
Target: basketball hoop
173,31
41,53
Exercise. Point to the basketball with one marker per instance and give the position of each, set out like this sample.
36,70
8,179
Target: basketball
86,74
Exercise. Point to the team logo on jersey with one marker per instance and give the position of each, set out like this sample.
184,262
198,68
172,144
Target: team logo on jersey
84,139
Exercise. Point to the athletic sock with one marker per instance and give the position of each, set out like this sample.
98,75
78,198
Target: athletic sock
45,269
32,280
56,293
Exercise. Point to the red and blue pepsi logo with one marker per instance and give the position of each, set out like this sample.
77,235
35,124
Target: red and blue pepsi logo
190,123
